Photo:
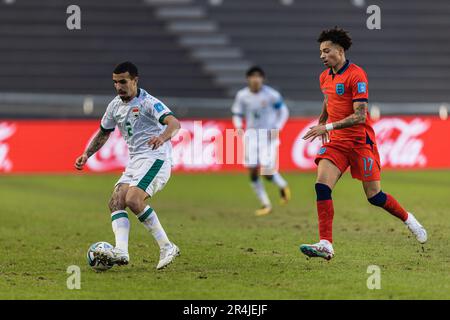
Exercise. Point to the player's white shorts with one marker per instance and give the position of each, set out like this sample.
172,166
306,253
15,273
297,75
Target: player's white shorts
261,151
146,173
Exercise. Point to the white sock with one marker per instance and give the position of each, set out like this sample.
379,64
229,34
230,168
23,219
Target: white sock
151,222
261,193
121,228
279,181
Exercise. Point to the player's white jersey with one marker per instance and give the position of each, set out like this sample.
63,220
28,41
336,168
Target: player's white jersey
264,109
138,120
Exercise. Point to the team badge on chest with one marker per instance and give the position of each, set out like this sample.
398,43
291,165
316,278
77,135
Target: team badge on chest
340,89
135,112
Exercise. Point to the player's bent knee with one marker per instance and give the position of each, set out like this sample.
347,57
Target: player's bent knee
133,205
379,199
117,201
328,173
133,202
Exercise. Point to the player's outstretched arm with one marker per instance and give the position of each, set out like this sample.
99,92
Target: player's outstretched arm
173,125
99,140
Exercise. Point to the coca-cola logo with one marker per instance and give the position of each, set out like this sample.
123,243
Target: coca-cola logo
6,131
399,143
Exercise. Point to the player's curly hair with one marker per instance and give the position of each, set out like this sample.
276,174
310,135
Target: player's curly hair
336,35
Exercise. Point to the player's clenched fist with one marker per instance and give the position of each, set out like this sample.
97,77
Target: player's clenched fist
81,161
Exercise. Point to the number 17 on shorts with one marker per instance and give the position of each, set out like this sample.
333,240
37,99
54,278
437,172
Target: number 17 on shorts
368,165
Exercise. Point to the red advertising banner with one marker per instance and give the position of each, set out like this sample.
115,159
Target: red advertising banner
29,146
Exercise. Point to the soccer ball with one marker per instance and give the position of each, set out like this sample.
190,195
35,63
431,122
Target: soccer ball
95,263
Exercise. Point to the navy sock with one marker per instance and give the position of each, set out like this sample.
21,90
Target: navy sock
323,192
379,199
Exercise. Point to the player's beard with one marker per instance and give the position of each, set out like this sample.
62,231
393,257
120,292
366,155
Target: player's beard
124,98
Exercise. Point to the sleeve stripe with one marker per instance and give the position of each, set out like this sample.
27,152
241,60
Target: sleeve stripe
238,114
161,119
361,100
106,130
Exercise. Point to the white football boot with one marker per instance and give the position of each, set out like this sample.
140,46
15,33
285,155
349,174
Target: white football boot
416,228
115,256
322,249
167,255
120,257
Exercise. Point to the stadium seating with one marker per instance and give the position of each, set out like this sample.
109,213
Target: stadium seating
407,60
39,54
202,50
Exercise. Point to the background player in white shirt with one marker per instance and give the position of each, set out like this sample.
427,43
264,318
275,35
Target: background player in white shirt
147,126
263,109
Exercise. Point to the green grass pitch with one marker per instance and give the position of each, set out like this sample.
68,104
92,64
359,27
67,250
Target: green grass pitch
48,222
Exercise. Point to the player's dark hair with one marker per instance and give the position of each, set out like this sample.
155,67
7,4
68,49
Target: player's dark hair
336,35
255,69
126,66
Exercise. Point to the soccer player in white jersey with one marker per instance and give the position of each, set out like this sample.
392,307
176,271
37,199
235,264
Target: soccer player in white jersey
147,126
263,109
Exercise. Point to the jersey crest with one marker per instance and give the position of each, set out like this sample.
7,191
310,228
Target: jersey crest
340,89
135,112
